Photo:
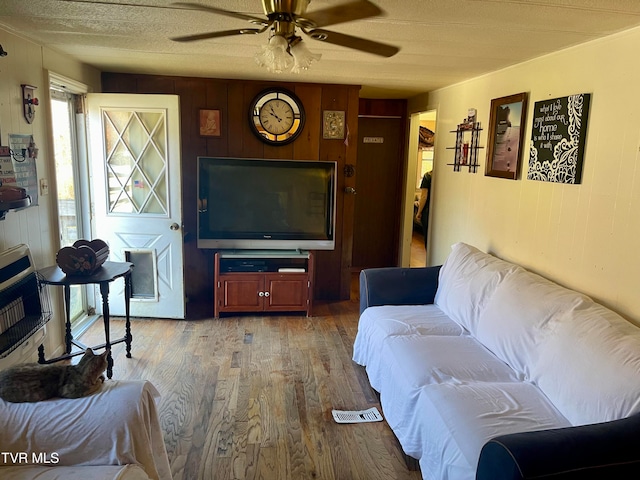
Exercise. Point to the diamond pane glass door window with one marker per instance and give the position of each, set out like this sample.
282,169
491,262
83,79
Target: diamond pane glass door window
135,148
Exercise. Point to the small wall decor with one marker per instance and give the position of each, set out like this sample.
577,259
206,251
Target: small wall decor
333,124
467,143
209,123
19,168
558,139
30,102
11,195
506,135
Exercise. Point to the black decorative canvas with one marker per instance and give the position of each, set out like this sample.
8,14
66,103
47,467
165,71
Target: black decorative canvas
558,139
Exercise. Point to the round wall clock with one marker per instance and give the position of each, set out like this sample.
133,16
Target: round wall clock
276,116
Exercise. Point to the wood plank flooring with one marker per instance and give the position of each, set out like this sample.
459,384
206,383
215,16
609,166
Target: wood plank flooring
418,253
250,397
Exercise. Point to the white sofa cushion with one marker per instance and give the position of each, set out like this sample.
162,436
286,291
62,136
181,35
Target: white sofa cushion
467,280
589,366
455,421
413,361
512,323
378,323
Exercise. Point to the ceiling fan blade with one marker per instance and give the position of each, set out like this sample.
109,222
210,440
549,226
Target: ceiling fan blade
357,43
220,11
347,12
224,33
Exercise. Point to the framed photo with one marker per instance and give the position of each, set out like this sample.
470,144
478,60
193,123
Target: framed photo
506,134
209,121
333,124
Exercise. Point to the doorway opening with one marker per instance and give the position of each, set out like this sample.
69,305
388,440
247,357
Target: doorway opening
421,163
69,146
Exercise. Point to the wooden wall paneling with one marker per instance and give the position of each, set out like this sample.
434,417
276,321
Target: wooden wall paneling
236,118
282,152
216,98
154,84
199,281
192,94
119,83
382,108
233,98
307,145
329,264
348,209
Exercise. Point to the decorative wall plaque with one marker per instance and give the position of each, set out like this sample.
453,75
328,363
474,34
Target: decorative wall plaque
333,125
558,139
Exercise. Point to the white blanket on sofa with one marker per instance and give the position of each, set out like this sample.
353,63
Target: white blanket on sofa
117,426
502,350
102,472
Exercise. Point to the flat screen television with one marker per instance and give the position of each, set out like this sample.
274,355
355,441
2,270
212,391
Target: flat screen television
266,204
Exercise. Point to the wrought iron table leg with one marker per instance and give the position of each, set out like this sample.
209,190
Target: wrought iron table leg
68,337
127,297
104,291
41,354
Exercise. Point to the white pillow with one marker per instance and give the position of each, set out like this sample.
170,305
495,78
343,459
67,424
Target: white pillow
513,322
590,366
467,279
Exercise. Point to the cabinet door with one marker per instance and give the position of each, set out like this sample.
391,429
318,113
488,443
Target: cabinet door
241,292
287,292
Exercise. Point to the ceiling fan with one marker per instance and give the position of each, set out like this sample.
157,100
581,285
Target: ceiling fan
284,17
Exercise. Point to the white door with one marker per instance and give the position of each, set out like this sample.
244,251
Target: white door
134,143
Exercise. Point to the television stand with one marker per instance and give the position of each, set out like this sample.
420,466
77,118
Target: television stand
263,281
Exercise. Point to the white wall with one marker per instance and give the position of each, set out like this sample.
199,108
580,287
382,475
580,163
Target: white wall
27,63
583,236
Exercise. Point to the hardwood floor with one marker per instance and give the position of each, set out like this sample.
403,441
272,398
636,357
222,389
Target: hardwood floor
418,253
250,397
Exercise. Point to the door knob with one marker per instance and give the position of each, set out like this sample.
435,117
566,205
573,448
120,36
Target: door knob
350,190
174,226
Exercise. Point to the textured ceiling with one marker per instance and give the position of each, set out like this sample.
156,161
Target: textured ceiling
442,41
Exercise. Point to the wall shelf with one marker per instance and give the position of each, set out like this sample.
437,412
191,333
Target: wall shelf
6,206
466,147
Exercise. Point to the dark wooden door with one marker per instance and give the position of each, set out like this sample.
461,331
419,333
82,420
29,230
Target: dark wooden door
378,192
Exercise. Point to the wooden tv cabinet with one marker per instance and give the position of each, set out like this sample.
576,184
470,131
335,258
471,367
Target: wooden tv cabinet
263,281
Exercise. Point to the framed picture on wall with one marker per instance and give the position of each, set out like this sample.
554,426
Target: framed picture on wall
506,134
209,122
333,124
558,136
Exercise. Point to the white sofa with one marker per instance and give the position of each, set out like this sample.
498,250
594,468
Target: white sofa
465,355
112,434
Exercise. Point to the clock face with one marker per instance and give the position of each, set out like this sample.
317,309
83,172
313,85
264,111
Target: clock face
276,116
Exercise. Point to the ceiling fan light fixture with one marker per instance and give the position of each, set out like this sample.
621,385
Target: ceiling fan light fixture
302,56
274,56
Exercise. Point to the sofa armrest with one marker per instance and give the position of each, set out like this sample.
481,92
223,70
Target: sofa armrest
398,286
603,450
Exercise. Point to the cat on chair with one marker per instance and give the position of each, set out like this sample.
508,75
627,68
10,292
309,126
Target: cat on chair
35,382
